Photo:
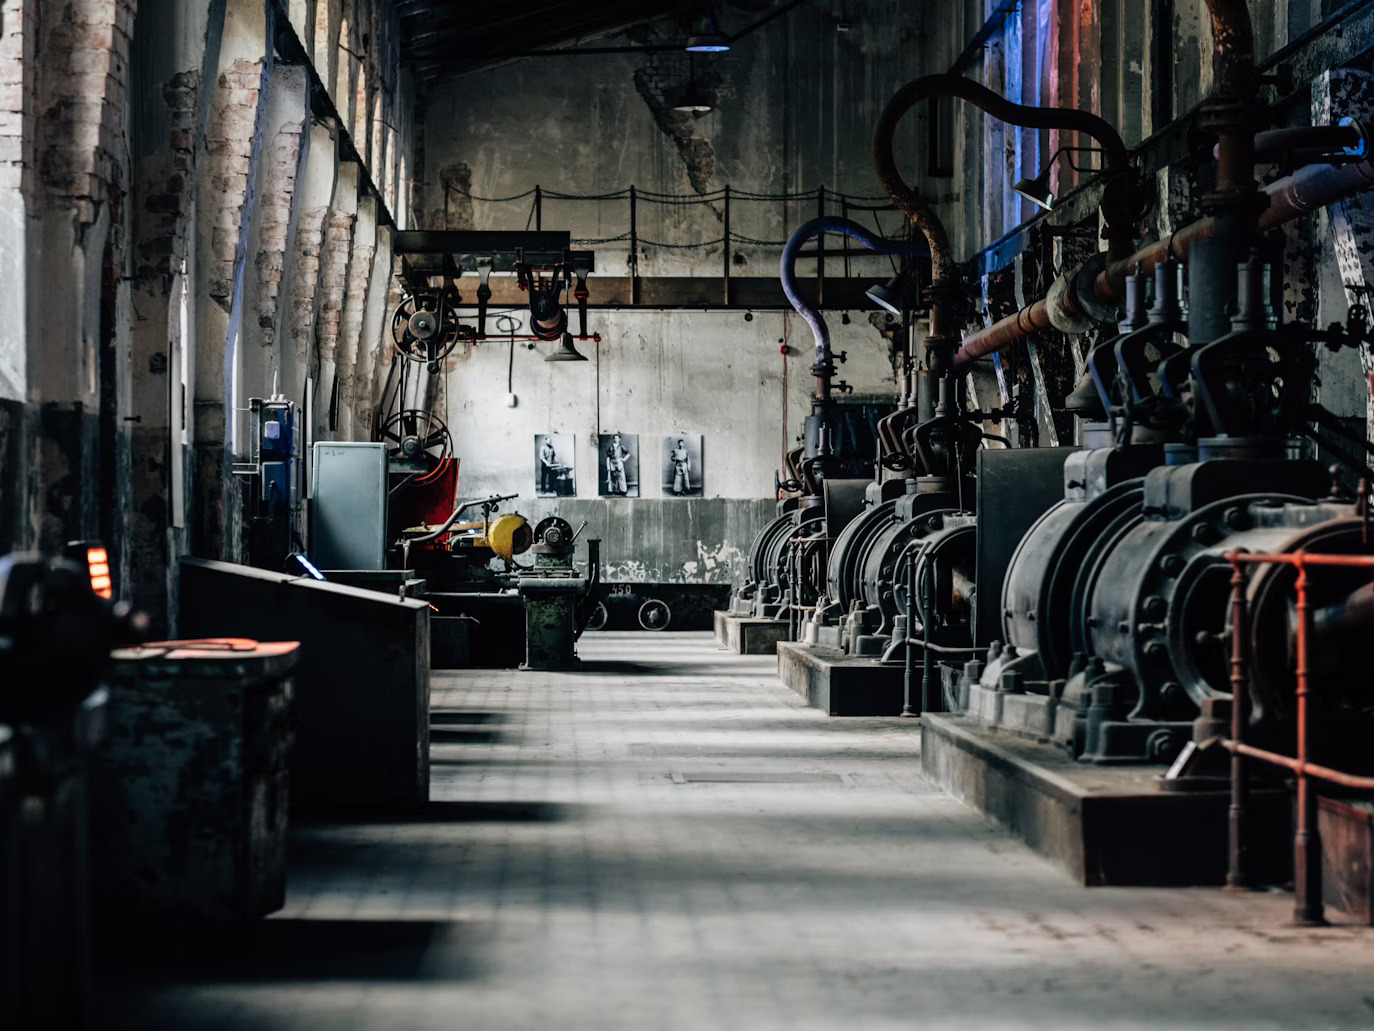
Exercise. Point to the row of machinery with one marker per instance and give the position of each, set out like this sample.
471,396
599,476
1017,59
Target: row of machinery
1082,595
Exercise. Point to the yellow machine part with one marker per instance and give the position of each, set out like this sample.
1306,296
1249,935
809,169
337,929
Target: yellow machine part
509,535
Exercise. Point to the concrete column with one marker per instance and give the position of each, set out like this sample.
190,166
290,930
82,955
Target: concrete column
338,245
175,44
276,218
18,83
315,190
228,189
1351,225
82,166
351,354
375,343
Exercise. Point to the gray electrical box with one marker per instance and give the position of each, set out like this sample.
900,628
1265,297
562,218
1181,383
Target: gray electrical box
348,505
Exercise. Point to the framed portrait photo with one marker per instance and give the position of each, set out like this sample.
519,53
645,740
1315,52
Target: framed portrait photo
681,465
554,468
617,465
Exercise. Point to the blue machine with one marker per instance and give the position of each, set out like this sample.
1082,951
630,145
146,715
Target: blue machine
276,523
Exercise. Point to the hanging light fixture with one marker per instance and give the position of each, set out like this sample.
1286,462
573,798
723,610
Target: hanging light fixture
567,352
707,38
692,97
887,295
1037,190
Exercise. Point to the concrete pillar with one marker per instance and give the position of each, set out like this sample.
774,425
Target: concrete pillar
18,83
228,184
375,341
175,43
338,245
82,167
315,190
1351,225
351,353
286,142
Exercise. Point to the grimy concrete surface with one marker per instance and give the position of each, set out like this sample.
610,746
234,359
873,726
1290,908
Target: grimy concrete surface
669,838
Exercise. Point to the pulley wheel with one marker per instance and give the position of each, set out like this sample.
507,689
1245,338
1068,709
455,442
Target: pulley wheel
655,615
424,328
417,435
598,617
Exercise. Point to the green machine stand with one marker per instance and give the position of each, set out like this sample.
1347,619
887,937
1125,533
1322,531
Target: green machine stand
556,597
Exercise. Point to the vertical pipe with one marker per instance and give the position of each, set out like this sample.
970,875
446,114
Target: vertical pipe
634,247
1161,83
538,208
726,274
907,710
928,702
1237,870
844,241
820,250
792,567
1307,857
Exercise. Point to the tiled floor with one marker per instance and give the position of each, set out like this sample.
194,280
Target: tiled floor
669,839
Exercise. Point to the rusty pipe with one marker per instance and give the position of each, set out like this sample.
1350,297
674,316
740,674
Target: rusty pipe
1115,156
1231,109
1233,49
1288,198
944,273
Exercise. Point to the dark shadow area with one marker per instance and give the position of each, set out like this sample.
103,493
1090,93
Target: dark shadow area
450,812
461,736
625,667
277,951
461,718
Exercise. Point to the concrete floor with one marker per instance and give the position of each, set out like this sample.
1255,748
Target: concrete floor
669,839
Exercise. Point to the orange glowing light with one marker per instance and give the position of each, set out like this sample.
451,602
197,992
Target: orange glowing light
94,555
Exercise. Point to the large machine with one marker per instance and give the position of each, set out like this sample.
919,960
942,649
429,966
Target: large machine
1082,596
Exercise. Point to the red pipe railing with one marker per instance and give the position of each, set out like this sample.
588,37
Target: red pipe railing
1308,909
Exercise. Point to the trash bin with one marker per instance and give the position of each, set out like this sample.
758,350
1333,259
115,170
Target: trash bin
9,876
189,805
51,850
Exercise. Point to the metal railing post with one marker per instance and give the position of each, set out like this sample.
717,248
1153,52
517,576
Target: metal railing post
634,247
726,274
1308,910
1238,872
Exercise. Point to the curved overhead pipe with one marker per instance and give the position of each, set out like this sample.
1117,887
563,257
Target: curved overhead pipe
824,366
939,343
817,445
1234,209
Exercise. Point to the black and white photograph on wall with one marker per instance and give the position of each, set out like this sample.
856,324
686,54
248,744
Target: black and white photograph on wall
617,465
682,472
553,466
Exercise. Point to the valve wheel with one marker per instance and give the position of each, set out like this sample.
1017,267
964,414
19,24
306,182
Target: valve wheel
598,618
655,615
423,322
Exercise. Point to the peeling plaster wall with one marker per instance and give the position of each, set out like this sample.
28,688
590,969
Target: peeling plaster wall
797,101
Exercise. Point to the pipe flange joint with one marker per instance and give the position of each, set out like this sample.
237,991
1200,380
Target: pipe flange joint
1084,292
1360,149
1062,317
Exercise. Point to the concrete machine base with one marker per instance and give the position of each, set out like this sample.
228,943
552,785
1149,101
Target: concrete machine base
1104,824
840,685
747,635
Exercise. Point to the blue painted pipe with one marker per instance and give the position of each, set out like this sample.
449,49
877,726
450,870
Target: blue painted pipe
854,231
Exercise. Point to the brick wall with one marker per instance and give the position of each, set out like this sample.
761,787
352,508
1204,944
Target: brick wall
229,157
280,186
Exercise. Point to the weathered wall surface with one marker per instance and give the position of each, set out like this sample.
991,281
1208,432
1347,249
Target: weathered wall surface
149,158
796,102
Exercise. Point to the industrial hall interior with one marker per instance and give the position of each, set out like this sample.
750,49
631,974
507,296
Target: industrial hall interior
686,515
